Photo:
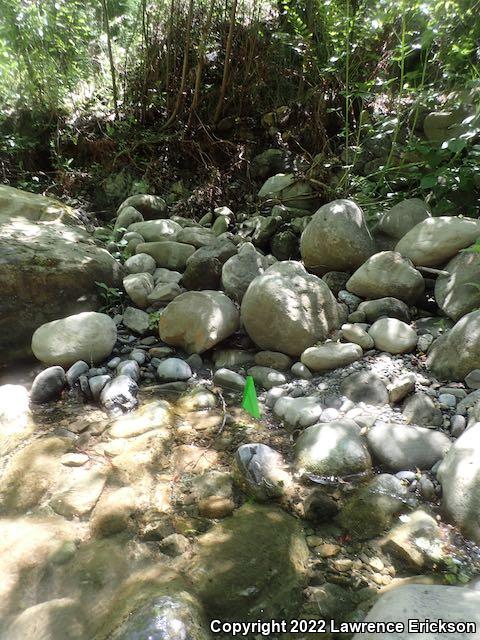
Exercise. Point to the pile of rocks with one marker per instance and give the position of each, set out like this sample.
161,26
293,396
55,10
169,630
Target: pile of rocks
349,348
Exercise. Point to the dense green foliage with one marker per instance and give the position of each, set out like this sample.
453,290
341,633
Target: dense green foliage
111,83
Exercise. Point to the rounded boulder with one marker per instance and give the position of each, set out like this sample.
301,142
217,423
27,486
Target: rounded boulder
287,309
87,336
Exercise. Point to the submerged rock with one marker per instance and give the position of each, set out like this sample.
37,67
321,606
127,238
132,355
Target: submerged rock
252,565
261,471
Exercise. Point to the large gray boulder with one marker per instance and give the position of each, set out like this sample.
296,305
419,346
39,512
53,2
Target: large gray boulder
459,293
204,268
398,446
459,475
432,242
422,602
239,270
167,253
402,217
332,449
198,320
454,355
148,205
289,190
87,336
336,238
49,266
387,274
156,230
287,309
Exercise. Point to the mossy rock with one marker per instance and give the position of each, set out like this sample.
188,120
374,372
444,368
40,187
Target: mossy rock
252,565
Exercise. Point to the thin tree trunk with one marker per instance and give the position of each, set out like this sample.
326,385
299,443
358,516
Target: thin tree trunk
226,66
199,70
169,55
110,56
183,80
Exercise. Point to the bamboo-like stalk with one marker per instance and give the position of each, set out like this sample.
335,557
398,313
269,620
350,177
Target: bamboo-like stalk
183,80
110,56
226,66
199,69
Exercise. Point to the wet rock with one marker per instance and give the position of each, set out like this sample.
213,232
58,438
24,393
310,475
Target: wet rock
30,473
399,447
336,239
120,394
331,355
166,617
287,310
393,336
215,507
420,409
370,511
320,507
113,512
174,544
266,573
197,321
48,385
136,320
261,471
387,273
435,240
76,494
53,620
173,369
332,449
87,336
366,387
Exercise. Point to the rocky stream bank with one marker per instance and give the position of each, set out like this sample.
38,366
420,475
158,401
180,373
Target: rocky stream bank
137,498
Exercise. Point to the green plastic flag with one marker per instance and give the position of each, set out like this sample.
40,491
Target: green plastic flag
250,402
